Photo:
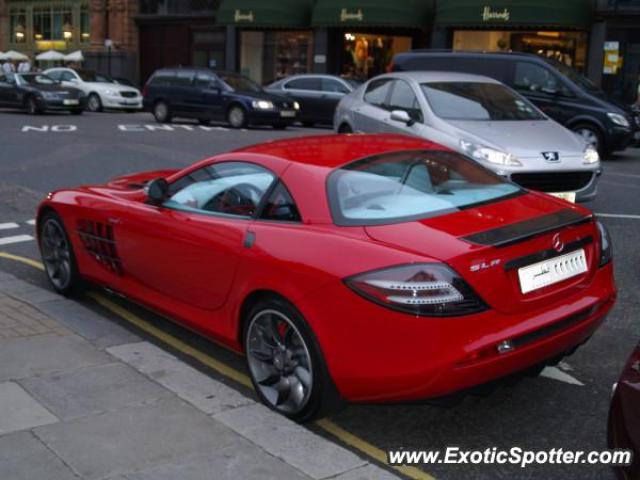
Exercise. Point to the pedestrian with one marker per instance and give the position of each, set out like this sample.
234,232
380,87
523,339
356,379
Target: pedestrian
8,67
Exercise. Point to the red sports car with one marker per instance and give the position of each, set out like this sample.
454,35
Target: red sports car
624,416
366,268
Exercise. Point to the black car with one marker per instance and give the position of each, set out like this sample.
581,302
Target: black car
38,93
209,95
318,95
566,96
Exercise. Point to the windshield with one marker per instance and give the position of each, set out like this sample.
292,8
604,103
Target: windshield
240,83
404,186
37,79
89,76
478,101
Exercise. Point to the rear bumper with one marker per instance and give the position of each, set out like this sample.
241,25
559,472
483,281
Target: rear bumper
377,355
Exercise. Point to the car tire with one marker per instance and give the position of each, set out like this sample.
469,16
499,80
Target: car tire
345,128
162,112
285,362
592,135
237,117
31,106
76,112
58,257
94,104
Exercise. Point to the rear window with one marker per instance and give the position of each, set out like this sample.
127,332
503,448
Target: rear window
478,101
162,78
406,186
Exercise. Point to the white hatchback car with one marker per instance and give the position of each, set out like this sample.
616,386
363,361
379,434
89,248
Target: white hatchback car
102,91
479,117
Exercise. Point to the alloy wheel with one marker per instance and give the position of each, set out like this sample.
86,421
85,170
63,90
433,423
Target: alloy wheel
56,254
161,112
279,361
236,117
94,103
590,136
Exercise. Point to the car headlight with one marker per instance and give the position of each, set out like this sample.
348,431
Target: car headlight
606,249
590,155
618,119
296,105
110,93
262,104
490,155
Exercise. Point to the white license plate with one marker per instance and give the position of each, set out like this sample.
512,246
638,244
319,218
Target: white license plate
568,196
70,101
288,113
552,271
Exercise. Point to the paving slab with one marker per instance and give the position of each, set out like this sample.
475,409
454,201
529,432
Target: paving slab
20,411
28,292
29,356
24,457
135,438
93,390
200,390
368,472
244,461
311,454
98,330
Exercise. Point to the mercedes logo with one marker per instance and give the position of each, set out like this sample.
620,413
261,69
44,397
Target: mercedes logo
557,243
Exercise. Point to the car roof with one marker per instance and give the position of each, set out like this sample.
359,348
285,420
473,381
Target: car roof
468,53
335,150
421,77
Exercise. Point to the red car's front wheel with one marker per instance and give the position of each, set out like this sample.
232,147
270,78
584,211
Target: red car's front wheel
57,255
285,363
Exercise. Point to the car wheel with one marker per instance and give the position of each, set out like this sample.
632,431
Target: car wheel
31,106
57,255
285,363
94,104
161,112
237,117
591,134
345,128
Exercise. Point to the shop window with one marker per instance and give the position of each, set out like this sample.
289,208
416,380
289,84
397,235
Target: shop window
534,78
334,86
309,83
85,24
403,98
377,92
367,55
18,24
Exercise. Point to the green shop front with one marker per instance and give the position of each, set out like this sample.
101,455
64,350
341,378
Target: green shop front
272,39
551,28
360,37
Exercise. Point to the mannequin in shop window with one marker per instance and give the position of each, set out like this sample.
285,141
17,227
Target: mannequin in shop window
361,57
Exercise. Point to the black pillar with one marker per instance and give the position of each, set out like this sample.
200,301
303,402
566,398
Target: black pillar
440,37
595,59
320,50
231,49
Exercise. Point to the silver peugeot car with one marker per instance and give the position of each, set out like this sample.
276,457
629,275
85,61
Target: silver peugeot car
482,118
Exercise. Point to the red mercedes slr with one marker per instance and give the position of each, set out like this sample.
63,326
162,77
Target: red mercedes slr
365,268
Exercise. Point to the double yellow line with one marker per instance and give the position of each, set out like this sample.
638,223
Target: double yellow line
344,436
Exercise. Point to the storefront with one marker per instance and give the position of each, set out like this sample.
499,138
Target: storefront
273,38
363,36
551,28
36,26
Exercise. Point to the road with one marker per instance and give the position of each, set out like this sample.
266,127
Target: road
565,409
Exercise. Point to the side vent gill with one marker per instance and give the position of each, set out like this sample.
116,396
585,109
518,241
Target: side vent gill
99,241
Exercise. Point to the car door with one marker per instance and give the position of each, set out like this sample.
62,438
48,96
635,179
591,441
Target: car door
69,78
186,98
8,90
369,114
332,92
188,248
307,91
209,90
403,97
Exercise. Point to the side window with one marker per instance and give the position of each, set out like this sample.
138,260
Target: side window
533,78
403,98
331,85
67,77
377,92
280,206
55,74
304,83
204,80
184,78
229,188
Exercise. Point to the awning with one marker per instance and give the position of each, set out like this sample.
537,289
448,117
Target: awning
373,13
265,13
574,14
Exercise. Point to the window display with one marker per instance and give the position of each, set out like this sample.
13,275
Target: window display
367,55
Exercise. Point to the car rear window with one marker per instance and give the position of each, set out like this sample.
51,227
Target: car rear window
163,78
405,186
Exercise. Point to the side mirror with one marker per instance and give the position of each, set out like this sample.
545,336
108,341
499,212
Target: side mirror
157,191
402,116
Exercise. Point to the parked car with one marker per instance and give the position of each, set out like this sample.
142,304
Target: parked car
102,92
209,95
38,93
368,268
481,118
559,91
318,95
624,416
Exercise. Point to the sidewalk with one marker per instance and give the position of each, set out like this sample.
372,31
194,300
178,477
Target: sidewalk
83,398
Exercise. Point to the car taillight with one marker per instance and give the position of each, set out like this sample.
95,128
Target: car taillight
425,289
606,249
145,90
